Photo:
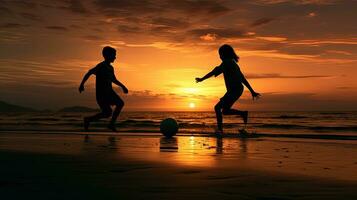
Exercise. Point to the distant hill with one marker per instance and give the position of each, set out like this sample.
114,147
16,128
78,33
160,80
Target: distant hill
7,107
77,109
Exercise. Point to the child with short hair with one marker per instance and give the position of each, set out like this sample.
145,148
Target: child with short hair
105,95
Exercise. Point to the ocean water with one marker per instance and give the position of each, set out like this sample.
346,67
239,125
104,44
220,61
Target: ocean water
332,123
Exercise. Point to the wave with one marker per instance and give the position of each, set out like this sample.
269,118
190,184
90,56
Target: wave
71,116
290,117
133,123
317,128
44,119
334,113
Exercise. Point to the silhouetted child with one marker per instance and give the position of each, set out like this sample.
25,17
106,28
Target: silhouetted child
234,80
105,95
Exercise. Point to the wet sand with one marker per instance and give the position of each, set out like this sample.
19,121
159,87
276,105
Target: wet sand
138,166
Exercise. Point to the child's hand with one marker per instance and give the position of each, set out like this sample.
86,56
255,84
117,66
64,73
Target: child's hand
255,95
198,80
125,90
81,88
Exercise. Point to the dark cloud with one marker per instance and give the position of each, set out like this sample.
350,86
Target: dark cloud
31,16
57,28
76,26
77,7
129,28
93,37
220,32
263,76
23,3
344,88
11,25
144,99
126,7
143,7
97,29
169,22
162,17
262,21
4,10
301,2
301,49
279,98
198,7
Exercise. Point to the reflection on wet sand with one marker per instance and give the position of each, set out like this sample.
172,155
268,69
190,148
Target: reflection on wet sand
219,145
168,144
291,156
195,151
324,158
144,167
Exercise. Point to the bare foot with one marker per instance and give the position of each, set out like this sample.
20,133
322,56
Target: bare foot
112,127
86,123
218,132
245,117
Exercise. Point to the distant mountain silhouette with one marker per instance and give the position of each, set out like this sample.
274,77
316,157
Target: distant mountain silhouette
7,107
77,109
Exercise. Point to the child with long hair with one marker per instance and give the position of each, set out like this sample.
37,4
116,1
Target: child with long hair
234,80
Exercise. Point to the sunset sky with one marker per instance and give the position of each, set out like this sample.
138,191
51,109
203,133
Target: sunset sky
299,54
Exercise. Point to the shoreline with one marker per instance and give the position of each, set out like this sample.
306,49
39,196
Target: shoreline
204,134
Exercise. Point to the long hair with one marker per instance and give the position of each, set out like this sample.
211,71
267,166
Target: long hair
227,52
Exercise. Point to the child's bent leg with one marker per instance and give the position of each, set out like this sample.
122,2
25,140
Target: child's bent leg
243,114
100,115
231,111
229,99
119,106
106,112
218,110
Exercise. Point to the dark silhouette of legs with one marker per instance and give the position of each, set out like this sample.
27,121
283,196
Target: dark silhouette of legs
115,114
105,113
119,104
218,110
224,107
100,115
230,111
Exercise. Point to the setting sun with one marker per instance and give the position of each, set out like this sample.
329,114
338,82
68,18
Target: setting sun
192,105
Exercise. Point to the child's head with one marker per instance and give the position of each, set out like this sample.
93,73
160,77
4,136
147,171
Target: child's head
109,53
227,52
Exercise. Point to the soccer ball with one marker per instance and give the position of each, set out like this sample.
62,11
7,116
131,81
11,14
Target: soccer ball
169,127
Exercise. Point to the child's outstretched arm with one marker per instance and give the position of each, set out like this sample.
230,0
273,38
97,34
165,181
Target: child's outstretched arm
255,95
85,78
118,83
215,72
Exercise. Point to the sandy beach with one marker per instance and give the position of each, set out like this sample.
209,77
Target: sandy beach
134,166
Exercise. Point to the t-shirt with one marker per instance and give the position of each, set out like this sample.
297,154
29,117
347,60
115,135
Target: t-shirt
232,74
104,77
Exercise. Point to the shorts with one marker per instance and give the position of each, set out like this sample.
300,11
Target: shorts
230,98
105,101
